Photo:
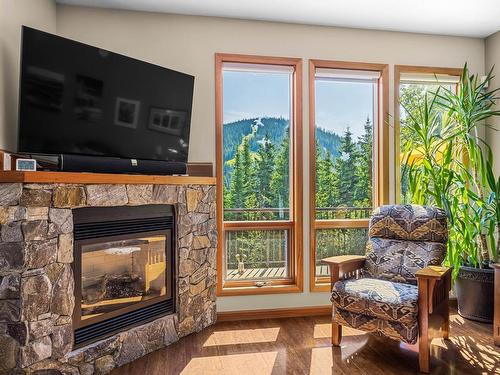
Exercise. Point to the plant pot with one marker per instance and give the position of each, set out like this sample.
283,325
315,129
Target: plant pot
474,289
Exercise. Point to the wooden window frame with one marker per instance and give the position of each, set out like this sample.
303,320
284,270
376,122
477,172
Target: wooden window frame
398,70
293,284
381,193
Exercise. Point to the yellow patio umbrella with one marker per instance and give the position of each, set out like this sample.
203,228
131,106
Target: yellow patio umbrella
416,156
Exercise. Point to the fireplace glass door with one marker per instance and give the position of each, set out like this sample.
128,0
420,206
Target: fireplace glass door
124,268
120,272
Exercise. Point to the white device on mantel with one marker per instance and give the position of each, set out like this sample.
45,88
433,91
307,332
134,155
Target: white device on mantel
26,165
6,161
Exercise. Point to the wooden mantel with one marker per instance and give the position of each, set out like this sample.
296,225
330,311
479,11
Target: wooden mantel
100,178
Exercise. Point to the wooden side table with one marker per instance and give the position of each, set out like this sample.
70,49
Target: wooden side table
496,319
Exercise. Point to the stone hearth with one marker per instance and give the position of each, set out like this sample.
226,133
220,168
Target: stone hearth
36,278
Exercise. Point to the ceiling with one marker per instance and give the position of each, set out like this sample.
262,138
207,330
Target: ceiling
474,18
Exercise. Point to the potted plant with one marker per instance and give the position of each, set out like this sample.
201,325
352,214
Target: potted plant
449,165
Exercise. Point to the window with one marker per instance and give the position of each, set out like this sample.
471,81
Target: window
411,84
348,156
258,116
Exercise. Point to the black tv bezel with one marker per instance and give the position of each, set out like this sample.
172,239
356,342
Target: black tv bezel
20,94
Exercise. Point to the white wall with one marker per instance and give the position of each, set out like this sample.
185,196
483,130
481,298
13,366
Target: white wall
188,44
40,14
492,58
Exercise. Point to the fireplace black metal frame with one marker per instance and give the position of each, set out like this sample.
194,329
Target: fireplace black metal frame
107,324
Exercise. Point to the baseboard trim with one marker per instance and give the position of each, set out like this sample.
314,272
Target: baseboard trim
287,312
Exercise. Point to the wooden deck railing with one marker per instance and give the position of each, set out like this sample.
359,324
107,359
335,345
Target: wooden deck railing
256,249
272,213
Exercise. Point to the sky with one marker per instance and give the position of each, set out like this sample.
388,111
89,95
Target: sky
249,95
338,104
343,104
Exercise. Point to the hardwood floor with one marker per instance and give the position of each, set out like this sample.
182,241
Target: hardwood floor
302,346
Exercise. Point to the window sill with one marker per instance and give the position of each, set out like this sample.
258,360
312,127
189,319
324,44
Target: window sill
254,290
320,287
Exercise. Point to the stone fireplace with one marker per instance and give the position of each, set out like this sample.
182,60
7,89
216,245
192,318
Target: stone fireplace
141,280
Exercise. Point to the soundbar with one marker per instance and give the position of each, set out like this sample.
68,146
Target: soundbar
102,164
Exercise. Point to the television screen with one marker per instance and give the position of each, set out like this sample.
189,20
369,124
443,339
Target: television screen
83,100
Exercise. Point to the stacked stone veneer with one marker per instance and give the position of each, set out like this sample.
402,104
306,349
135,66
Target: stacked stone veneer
36,278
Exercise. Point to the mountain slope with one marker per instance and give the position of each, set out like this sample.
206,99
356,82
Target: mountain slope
273,128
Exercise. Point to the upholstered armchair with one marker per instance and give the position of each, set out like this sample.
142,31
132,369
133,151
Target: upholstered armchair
399,289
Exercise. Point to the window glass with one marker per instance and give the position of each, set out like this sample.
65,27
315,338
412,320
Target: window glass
257,178
256,254
345,121
344,148
412,97
338,241
256,144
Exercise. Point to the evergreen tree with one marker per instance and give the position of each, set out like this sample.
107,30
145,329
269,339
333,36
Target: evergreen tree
363,188
235,196
280,179
247,165
326,193
242,186
250,182
345,169
265,166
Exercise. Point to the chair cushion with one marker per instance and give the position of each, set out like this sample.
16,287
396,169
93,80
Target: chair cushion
397,260
377,298
410,223
401,331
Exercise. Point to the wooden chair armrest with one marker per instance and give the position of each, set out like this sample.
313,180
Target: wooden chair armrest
434,285
344,259
433,272
343,265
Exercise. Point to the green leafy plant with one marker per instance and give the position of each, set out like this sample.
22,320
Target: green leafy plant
446,163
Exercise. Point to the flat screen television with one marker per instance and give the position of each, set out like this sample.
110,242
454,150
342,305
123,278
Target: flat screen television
82,100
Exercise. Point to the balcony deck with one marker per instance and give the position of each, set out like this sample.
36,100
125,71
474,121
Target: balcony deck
268,273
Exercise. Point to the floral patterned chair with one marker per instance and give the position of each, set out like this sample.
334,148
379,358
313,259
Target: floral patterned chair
399,289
